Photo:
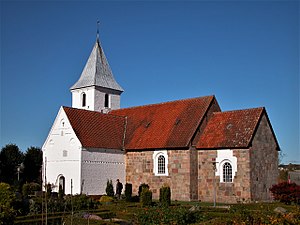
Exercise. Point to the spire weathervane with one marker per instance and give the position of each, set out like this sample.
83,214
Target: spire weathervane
98,24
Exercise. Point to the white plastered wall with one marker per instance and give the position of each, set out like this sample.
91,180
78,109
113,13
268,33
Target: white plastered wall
223,156
99,165
95,99
62,138
90,98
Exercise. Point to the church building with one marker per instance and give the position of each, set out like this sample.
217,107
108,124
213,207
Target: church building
190,145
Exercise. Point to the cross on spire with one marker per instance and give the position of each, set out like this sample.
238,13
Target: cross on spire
98,24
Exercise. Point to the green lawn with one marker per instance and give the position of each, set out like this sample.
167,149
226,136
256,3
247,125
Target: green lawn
121,212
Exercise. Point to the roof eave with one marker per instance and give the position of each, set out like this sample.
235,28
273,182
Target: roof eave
158,148
101,148
223,147
86,86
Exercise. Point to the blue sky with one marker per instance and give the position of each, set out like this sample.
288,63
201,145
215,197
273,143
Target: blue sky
246,53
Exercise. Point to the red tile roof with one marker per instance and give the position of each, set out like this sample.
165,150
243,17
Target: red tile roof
232,129
164,125
97,130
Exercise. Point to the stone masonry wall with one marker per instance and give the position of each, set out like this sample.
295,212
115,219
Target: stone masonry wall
214,107
264,162
194,175
139,169
238,190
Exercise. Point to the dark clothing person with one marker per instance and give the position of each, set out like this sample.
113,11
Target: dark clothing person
119,188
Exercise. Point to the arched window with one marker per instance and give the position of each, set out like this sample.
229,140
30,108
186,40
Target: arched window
160,163
62,123
106,101
83,99
61,184
227,172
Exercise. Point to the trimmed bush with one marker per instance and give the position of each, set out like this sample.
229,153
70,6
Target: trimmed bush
146,197
128,191
286,192
106,198
110,188
143,185
165,196
30,188
83,201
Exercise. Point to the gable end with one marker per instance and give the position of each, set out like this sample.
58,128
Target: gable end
264,113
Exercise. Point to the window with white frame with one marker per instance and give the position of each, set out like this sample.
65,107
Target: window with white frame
227,172
226,165
160,163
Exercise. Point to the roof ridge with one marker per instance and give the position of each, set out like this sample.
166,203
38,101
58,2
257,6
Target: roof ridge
94,112
240,110
162,103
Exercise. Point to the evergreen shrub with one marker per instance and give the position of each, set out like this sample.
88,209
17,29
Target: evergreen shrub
165,196
110,188
146,197
128,191
143,185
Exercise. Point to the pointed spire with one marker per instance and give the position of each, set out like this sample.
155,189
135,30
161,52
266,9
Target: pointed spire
97,71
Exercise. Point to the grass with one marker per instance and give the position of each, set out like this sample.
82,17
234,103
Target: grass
258,213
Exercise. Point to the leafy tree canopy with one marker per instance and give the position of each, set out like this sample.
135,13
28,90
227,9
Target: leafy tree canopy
7,196
10,159
33,161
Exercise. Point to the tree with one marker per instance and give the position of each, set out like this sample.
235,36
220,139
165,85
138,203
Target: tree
7,197
286,192
33,161
10,159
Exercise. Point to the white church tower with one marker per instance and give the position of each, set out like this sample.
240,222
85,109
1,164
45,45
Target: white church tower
77,156
96,89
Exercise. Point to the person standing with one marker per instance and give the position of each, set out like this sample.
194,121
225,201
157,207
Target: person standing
119,188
